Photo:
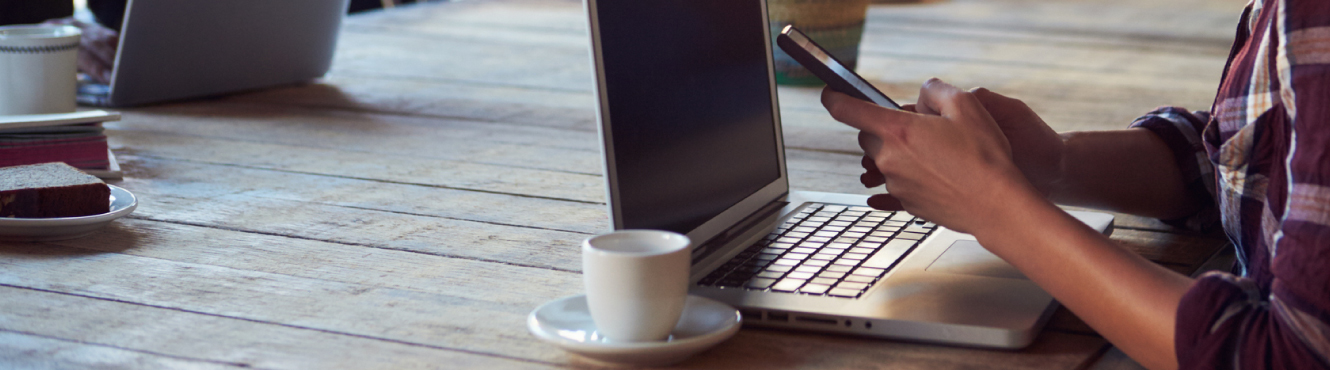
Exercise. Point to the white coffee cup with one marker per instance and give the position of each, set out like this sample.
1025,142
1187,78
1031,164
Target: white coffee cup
636,283
38,69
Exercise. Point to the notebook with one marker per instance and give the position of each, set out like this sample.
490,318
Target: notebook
692,142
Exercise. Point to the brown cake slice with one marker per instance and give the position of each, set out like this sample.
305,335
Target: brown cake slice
51,190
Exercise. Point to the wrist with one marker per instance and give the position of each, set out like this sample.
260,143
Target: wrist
1019,207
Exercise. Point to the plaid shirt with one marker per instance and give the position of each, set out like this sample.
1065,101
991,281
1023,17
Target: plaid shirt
1262,156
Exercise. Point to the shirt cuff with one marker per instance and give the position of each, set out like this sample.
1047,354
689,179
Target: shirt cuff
1181,131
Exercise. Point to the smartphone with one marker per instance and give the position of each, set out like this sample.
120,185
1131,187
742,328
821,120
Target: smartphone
826,67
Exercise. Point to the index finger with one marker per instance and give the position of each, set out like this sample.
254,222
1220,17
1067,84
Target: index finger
860,114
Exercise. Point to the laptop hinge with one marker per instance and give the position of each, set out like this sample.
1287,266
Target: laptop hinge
706,249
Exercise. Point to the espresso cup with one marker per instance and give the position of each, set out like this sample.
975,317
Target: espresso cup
38,69
636,283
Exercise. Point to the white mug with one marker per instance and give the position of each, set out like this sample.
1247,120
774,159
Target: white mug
38,69
636,283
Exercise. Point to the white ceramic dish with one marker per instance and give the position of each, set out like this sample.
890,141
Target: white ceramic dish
567,323
61,228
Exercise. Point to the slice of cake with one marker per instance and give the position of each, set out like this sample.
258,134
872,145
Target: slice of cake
51,190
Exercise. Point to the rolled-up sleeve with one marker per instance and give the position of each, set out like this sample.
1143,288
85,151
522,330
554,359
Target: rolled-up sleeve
1181,131
1225,323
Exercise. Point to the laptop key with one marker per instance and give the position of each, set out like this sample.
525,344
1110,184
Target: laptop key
823,281
815,289
889,254
788,285
843,293
860,279
845,262
831,275
804,250
799,275
807,269
839,268
760,283
854,256
864,250
766,256
816,263
868,271
787,262
910,236
825,256
852,285
731,282
870,245
770,274
796,256
780,268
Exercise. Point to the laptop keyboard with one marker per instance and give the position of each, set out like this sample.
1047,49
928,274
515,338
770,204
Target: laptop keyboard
824,250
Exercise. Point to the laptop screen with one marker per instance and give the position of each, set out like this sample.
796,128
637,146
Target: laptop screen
689,97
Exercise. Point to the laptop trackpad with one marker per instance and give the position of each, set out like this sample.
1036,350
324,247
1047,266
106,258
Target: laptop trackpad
967,257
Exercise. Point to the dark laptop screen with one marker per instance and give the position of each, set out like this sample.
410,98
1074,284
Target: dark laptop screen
689,105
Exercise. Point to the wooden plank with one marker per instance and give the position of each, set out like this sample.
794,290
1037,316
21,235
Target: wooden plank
497,282
421,137
148,177
432,97
33,352
369,228
405,169
101,333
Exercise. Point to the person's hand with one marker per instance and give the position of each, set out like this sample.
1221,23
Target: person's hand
96,48
1036,149
953,166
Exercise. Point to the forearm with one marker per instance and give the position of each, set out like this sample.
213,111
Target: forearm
1126,298
1130,171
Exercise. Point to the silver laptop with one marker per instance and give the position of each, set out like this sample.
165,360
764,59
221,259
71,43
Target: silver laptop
692,143
179,49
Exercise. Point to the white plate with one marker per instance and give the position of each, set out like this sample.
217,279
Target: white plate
567,323
61,228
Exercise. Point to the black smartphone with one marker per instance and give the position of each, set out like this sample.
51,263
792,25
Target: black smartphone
826,67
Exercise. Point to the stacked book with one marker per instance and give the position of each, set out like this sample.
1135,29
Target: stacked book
74,138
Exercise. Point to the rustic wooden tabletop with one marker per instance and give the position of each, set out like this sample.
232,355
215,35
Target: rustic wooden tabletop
411,208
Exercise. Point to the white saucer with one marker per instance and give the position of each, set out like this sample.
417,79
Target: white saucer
567,323
61,228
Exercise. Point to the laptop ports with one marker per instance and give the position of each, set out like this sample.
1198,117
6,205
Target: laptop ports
815,320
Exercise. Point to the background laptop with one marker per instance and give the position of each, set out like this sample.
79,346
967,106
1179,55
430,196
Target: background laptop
173,49
692,144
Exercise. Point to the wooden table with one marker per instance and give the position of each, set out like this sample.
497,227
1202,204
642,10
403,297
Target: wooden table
411,208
